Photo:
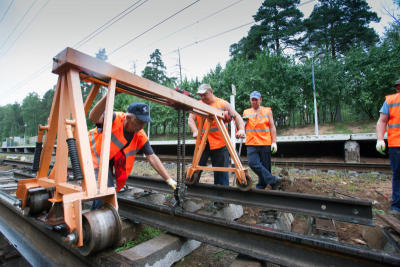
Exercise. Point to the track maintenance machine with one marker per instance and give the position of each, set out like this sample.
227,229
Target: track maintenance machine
58,197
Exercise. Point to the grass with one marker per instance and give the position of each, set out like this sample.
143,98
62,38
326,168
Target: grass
147,234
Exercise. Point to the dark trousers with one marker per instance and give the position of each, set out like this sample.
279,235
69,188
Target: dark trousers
259,158
219,158
110,183
394,156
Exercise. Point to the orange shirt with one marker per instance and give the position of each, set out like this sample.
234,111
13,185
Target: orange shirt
257,127
215,138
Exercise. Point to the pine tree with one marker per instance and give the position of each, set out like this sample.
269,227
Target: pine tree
338,25
279,27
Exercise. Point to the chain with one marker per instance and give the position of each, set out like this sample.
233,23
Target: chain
178,160
184,145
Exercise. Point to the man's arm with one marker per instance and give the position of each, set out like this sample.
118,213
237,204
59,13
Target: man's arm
96,114
381,126
238,120
192,125
155,162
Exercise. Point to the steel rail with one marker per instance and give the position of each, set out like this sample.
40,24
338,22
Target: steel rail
37,244
348,210
291,164
283,248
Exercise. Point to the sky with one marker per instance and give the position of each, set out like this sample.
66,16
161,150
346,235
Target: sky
32,32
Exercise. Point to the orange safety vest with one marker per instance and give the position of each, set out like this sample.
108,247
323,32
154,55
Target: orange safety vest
215,138
257,128
393,136
118,141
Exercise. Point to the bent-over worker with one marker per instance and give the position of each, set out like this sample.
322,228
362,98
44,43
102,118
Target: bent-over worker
127,138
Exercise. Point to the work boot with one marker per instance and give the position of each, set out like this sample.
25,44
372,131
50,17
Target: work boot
277,183
395,213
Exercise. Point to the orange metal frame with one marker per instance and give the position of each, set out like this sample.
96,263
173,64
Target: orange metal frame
67,118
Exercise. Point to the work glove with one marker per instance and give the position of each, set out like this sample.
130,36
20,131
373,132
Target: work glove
171,182
274,148
380,146
240,134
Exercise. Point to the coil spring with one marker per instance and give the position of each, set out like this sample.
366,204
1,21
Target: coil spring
36,157
73,155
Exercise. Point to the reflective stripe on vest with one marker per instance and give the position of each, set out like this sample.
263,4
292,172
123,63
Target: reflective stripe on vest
94,147
132,152
393,130
257,130
116,142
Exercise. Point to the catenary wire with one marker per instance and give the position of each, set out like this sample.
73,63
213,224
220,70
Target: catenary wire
5,13
26,27
16,26
152,27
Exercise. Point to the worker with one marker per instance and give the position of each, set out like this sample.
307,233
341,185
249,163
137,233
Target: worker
261,141
215,146
127,138
390,118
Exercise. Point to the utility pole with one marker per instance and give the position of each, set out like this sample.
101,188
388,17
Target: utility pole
180,66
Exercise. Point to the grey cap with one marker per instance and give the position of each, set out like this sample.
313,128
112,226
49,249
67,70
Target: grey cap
203,88
397,82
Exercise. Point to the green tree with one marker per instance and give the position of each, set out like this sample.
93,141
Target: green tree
278,28
155,71
31,112
337,25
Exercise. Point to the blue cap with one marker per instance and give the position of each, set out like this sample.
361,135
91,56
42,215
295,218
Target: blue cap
255,94
140,110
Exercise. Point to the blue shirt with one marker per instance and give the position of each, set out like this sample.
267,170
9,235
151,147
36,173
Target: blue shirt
385,108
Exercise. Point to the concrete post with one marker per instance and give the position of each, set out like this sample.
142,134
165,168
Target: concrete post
351,151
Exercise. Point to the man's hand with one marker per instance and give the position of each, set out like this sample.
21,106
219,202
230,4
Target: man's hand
171,182
240,134
381,146
195,133
274,148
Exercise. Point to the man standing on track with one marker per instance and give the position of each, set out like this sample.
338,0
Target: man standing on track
215,147
261,141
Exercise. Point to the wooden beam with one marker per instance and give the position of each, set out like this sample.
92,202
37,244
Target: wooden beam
71,58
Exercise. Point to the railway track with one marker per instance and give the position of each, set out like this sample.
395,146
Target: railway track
303,164
284,248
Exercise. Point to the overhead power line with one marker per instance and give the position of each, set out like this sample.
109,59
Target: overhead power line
196,22
19,22
45,67
151,28
110,22
211,37
26,27
5,13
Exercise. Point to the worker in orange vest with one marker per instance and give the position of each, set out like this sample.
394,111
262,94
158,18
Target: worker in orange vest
260,141
215,147
390,119
127,139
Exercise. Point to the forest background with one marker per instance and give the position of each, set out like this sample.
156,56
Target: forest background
354,70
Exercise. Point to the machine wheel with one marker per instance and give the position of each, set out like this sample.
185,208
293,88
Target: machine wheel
193,179
101,229
245,187
39,201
